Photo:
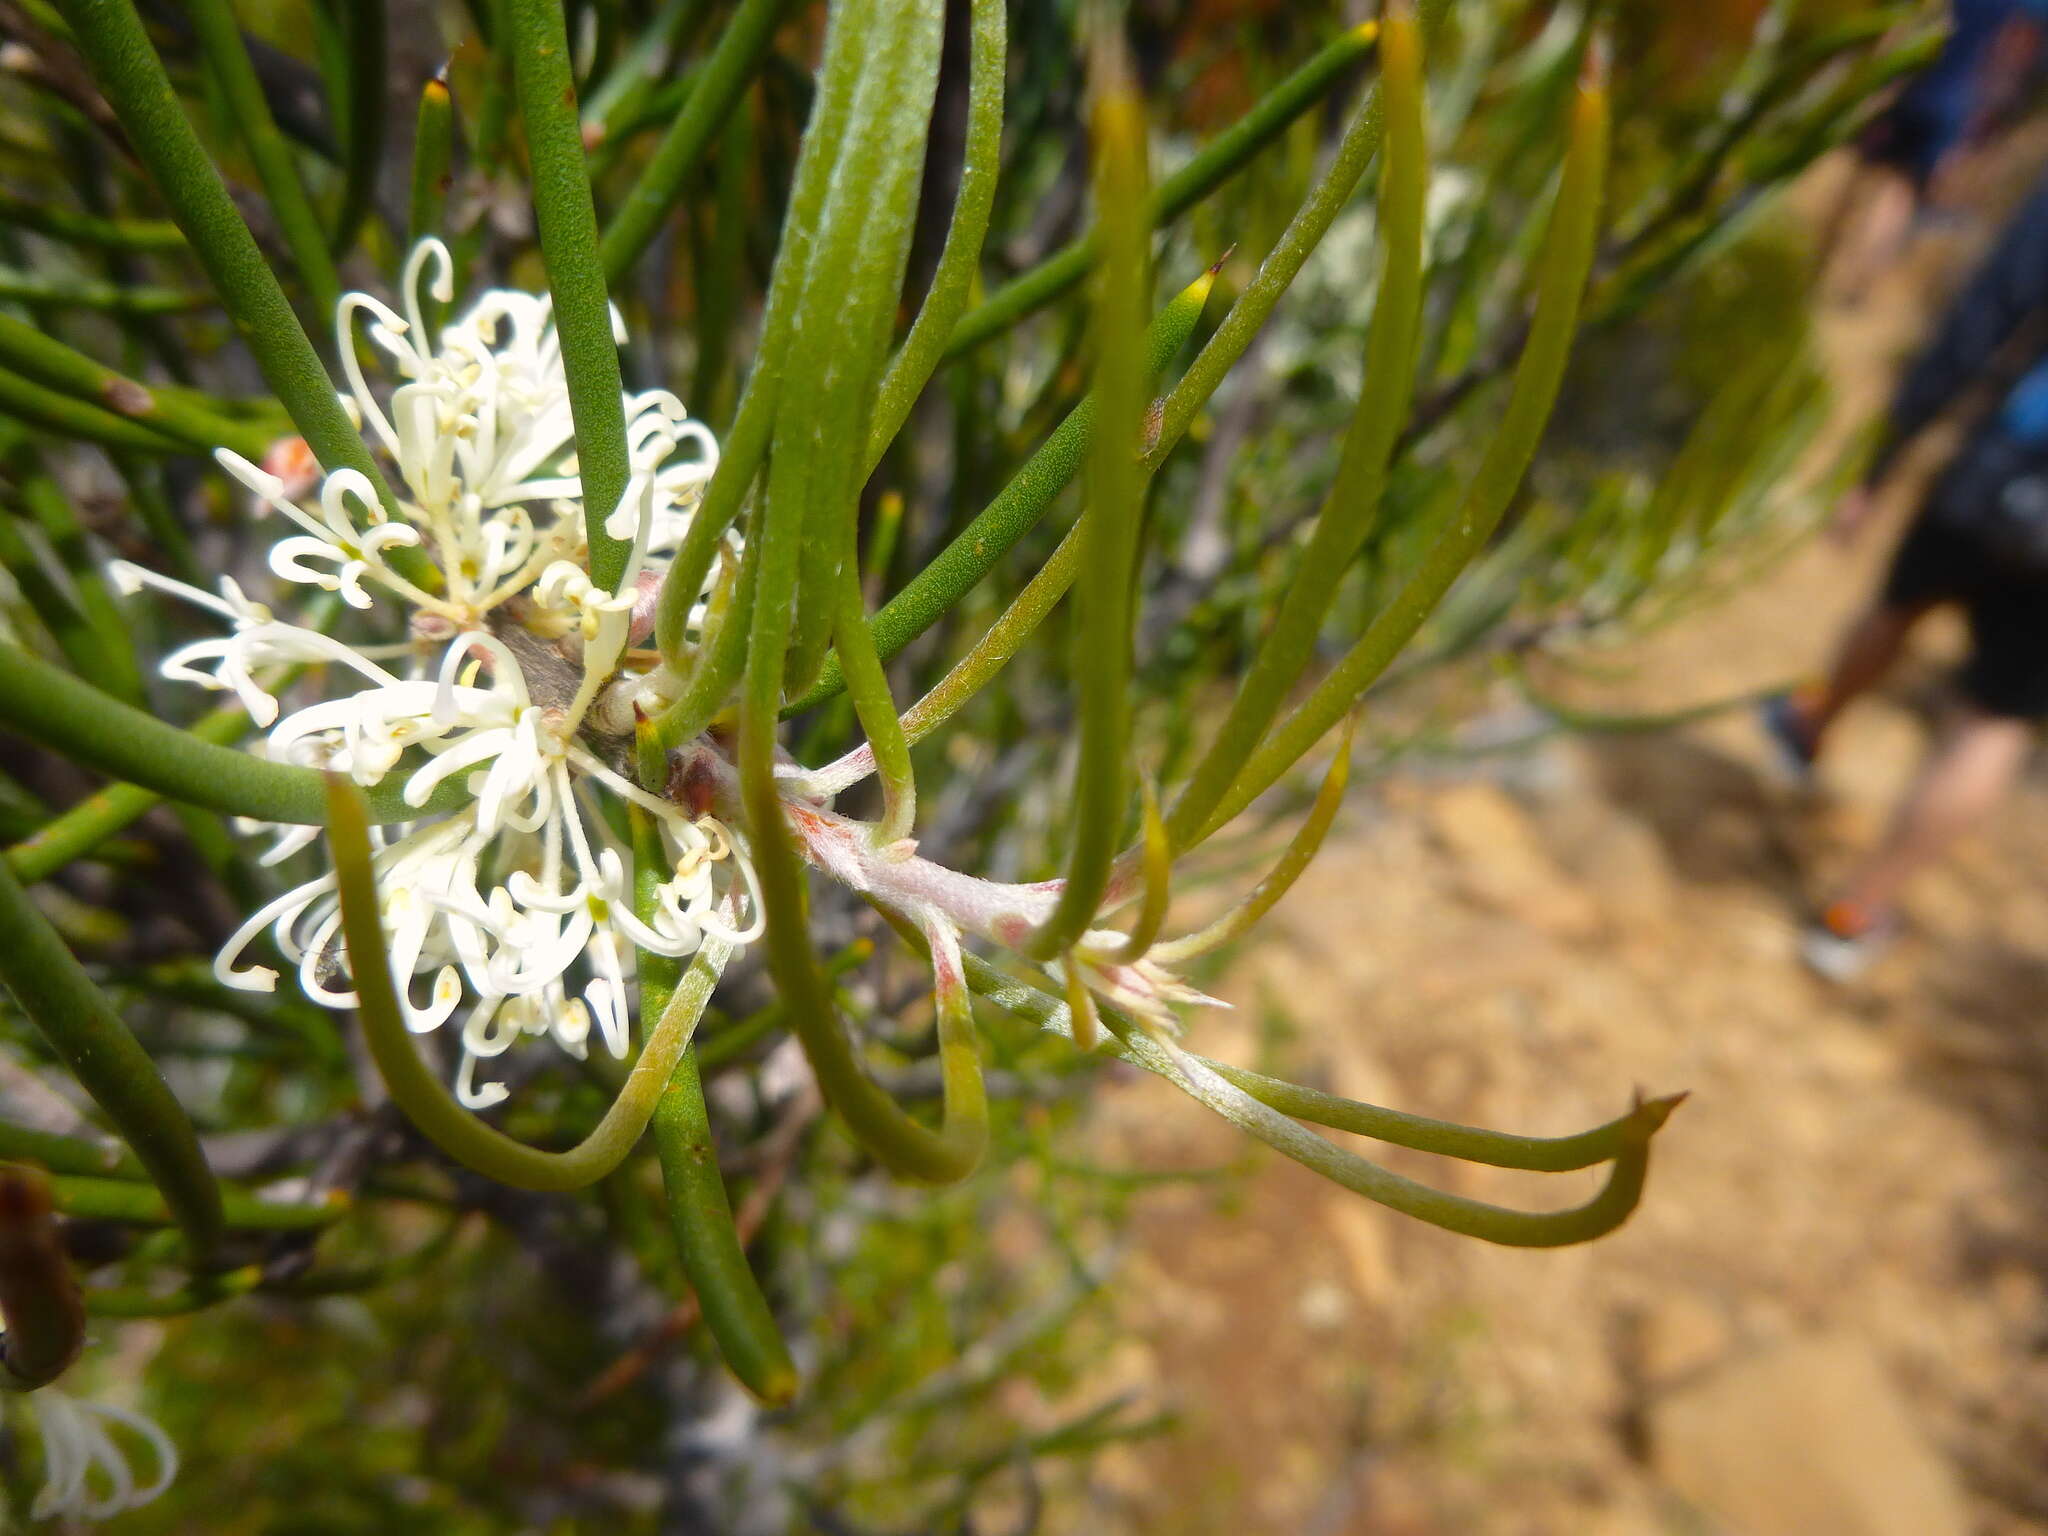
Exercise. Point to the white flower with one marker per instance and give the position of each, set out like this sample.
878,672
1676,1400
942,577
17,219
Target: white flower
86,1474
482,436
513,908
258,640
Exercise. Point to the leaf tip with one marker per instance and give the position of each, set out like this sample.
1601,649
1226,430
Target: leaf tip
777,1388
1652,1113
1594,66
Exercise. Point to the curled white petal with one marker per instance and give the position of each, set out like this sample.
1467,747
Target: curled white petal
78,1451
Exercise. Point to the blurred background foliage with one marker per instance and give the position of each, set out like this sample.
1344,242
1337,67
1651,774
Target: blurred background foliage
494,1361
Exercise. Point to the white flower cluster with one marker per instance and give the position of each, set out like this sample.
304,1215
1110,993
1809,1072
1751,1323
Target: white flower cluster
86,1474
508,673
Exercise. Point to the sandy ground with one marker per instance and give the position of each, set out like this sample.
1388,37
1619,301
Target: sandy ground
1518,946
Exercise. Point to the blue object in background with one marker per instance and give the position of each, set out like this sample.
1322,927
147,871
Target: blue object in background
2025,412
1934,111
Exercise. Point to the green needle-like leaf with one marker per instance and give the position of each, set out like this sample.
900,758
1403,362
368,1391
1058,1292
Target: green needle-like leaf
775,551
80,1025
18,287
1215,164
973,552
1300,852
1561,279
1607,1210
960,258
714,1259
1304,233
568,243
365,28
75,228
853,283
99,816
49,706
1376,423
714,93
1113,516
31,401
169,413
82,646
623,92
124,1200
220,40
433,158
427,1101
128,71
1155,865
713,1252
1261,1106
